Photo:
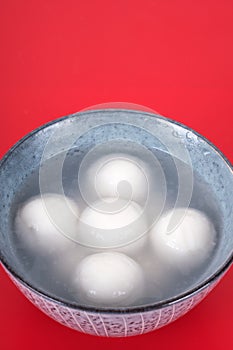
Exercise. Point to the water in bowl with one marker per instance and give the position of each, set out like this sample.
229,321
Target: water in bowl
161,282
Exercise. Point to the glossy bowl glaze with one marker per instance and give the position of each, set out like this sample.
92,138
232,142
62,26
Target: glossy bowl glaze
84,131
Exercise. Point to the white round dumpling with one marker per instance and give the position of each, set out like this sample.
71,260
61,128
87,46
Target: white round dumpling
108,279
183,238
46,223
113,223
118,175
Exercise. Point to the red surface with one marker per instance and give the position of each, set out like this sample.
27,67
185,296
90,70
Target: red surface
58,57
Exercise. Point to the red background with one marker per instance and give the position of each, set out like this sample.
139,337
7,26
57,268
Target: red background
58,57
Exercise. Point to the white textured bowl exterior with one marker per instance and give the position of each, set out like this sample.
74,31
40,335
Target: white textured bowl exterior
113,324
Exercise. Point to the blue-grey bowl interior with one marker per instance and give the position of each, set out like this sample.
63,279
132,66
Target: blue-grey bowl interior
95,127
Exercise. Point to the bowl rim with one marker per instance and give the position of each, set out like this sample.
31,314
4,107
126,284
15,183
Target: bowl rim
129,309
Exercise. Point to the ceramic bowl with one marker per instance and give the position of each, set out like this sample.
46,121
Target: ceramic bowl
82,131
